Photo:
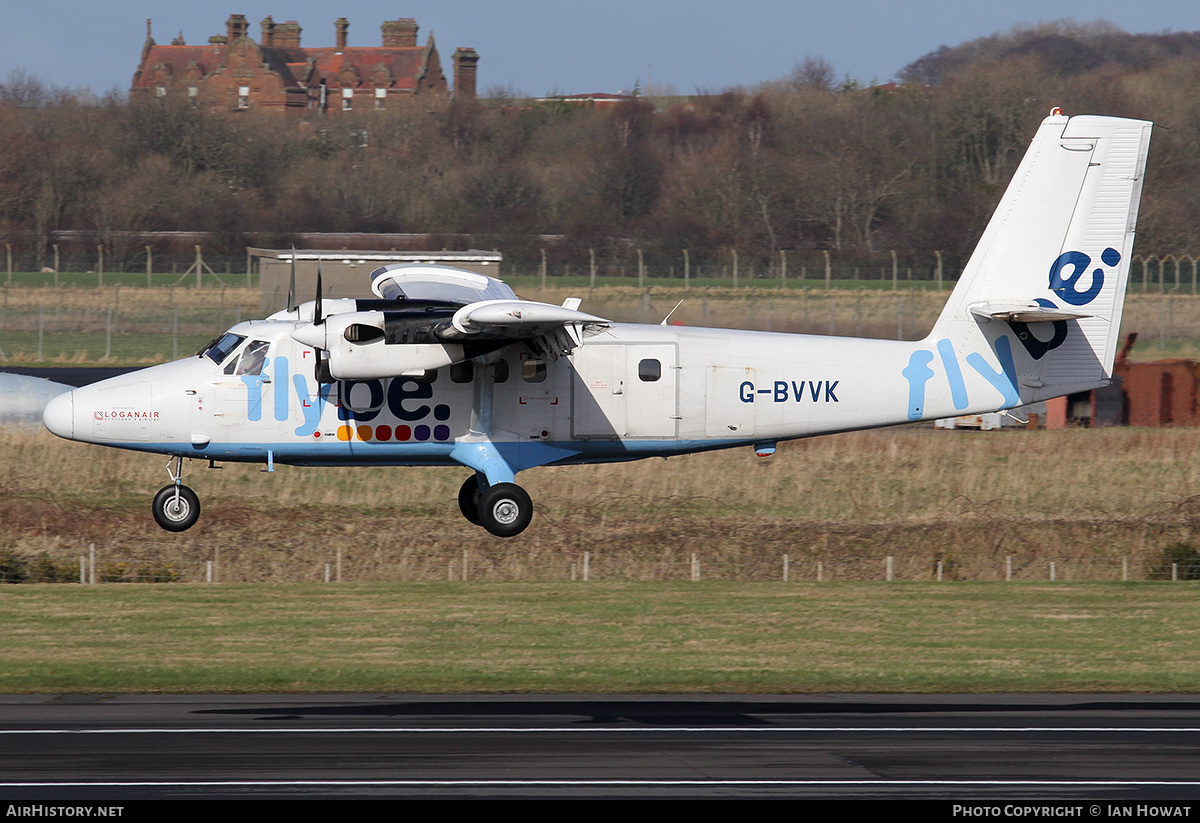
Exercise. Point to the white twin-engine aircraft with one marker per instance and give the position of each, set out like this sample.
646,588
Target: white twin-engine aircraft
448,367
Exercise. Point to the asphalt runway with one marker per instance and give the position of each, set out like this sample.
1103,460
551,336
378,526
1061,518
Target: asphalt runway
1101,750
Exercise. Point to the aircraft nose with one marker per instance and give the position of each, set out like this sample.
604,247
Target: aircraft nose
59,415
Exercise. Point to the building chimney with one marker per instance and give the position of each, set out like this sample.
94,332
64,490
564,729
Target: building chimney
466,62
235,27
343,26
400,34
268,32
287,35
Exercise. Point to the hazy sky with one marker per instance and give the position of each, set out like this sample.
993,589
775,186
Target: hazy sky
539,46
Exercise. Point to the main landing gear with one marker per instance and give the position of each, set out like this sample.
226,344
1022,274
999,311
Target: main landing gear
504,509
176,507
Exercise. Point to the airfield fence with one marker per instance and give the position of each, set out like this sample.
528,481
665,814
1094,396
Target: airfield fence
158,563
122,324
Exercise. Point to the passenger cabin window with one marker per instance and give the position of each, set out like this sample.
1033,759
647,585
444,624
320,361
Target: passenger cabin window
649,371
462,372
501,371
533,370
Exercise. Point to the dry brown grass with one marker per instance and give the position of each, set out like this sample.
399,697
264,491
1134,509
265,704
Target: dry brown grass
1083,499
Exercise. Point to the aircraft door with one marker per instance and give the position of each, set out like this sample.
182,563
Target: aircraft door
243,389
625,390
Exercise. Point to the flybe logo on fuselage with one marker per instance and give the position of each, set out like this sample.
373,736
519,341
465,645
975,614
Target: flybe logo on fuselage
357,402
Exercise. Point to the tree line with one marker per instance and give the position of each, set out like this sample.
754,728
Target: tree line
802,164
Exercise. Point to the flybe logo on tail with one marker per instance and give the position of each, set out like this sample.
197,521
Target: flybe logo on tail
1066,281
1066,287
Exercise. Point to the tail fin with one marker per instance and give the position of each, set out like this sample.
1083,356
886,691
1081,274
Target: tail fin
1044,290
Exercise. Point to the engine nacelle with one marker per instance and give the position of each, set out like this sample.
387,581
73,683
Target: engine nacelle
370,345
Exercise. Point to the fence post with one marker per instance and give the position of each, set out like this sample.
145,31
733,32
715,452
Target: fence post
641,270
895,271
890,570
587,557
735,268
543,269
939,269
92,563
820,571
592,280
1008,568
828,273
783,268
100,266
687,268
785,568
149,266
1053,576
339,564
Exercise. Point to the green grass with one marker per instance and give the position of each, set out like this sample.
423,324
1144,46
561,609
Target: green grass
602,637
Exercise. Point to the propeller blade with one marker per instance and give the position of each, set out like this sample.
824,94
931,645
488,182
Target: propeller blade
317,320
318,372
291,298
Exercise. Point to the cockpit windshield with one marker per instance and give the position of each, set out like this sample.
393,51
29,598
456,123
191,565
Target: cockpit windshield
220,348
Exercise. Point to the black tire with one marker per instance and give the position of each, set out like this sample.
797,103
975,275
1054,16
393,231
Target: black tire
505,510
468,499
172,518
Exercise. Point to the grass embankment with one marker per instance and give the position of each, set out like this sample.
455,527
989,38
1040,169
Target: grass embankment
1086,500
601,637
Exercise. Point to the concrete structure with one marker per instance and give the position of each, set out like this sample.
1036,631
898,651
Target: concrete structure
346,273
235,73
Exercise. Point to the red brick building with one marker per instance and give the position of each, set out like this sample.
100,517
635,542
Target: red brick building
234,72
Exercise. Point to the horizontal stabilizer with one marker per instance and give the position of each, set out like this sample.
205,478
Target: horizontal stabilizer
1025,312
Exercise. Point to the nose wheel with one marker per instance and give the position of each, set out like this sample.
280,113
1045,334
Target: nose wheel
504,509
176,507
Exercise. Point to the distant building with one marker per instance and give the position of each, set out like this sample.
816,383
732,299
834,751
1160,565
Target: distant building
234,72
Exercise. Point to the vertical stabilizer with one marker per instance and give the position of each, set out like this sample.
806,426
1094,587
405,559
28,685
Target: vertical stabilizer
1044,290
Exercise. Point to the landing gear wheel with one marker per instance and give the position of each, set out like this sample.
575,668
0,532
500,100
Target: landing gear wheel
505,510
468,499
176,516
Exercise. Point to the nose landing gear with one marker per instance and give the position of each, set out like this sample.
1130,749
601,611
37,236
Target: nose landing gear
176,507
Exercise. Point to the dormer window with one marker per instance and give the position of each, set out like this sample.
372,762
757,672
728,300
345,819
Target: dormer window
380,98
347,98
243,97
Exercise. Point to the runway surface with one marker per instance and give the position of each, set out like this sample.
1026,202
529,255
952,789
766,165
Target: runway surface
1062,749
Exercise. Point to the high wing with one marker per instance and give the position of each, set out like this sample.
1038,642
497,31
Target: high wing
434,316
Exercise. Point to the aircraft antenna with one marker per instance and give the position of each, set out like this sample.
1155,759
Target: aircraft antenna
672,311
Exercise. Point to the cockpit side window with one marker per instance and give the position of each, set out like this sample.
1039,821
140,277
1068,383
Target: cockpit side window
220,348
253,357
